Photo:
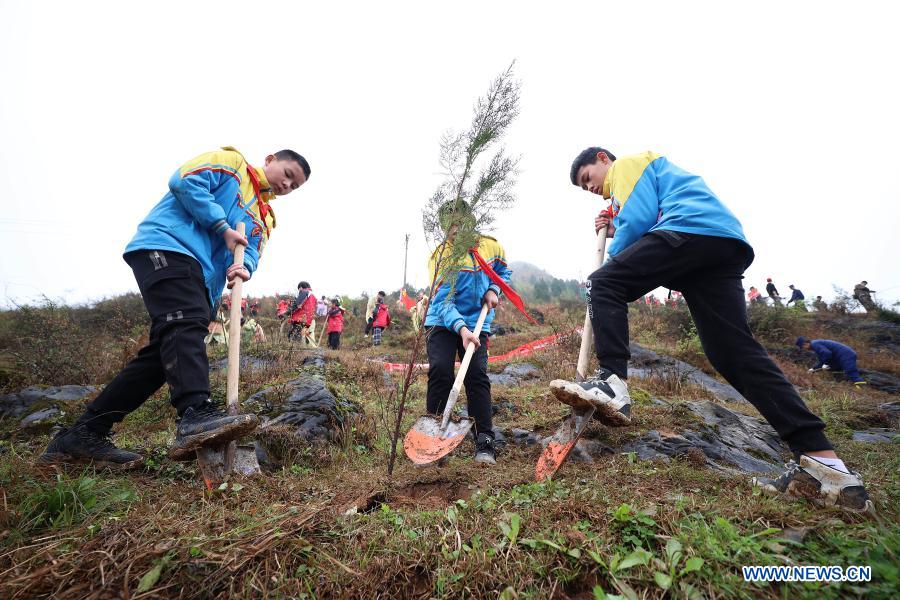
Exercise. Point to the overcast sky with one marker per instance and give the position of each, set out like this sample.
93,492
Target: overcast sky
787,109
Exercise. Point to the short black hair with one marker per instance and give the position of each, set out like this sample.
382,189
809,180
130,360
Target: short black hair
382,294
304,285
297,158
587,156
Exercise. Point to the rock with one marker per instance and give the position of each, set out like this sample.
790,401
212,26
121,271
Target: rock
497,329
881,333
721,439
645,363
68,393
804,358
304,404
875,435
881,381
37,398
516,436
515,374
892,409
730,441
41,418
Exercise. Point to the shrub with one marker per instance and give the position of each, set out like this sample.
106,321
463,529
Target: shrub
52,344
775,324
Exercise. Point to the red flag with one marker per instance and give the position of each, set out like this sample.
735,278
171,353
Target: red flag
504,287
408,302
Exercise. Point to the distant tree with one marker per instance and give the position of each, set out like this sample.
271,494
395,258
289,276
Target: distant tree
557,287
541,291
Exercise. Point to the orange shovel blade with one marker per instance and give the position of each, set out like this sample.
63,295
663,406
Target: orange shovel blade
562,442
426,442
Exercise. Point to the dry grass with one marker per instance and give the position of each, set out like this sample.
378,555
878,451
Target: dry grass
439,532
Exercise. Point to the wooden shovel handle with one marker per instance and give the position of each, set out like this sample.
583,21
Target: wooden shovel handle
234,332
463,367
587,334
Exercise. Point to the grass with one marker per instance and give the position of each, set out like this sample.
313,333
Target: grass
328,523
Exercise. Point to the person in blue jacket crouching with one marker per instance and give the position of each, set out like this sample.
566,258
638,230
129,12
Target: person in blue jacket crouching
833,356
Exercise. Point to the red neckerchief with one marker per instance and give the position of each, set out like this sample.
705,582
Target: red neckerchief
264,208
507,291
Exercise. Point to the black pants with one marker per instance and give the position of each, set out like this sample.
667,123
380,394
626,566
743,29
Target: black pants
174,293
443,348
708,271
334,340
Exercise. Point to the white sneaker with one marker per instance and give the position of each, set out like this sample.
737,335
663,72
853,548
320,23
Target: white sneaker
604,391
820,483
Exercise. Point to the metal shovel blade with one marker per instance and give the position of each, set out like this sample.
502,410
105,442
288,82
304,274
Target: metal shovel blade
426,442
562,442
213,463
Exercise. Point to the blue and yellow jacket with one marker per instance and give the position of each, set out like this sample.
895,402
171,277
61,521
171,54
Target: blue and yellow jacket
471,285
649,193
207,195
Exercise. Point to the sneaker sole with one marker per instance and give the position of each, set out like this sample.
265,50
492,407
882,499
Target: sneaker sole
486,462
573,395
63,460
771,490
187,449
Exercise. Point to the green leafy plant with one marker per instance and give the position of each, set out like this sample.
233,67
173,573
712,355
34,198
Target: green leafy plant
636,528
510,528
671,567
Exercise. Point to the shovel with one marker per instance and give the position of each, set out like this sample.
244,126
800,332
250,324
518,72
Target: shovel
566,437
430,439
217,462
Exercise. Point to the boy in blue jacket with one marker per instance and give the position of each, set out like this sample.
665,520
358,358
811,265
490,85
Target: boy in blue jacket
670,230
461,291
181,257
833,356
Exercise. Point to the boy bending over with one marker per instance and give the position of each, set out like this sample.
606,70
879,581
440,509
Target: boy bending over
181,257
669,229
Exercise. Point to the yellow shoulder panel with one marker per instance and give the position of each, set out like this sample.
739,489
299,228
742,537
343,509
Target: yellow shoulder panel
625,172
489,248
227,157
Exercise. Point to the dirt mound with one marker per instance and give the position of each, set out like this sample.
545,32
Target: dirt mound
433,495
424,495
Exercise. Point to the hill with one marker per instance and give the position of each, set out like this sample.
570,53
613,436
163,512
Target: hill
537,285
656,509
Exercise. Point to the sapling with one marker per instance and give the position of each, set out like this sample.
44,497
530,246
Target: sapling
478,181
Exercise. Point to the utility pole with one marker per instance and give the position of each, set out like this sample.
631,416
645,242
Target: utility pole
405,256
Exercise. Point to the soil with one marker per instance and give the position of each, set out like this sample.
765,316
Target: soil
435,495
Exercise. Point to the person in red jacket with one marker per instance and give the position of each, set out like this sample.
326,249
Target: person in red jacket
335,324
302,314
381,320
